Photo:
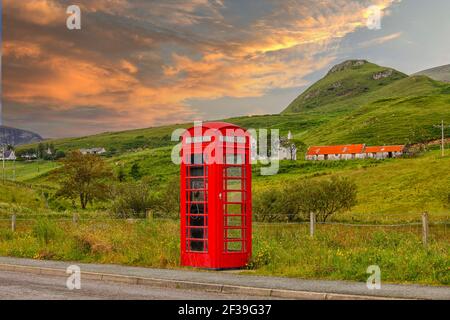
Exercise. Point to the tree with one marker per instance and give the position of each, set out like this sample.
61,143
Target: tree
59,154
84,177
135,171
323,197
40,151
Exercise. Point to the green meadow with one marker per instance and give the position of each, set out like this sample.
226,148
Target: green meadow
349,105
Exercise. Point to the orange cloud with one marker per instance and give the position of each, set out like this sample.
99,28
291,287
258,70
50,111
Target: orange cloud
40,12
148,59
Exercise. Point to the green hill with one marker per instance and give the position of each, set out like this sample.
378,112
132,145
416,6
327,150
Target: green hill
346,86
405,112
441,73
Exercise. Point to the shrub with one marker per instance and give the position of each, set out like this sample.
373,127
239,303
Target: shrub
167,204
132,200
323,197
298,199
60,154
272,205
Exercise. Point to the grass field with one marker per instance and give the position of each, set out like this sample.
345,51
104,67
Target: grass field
20,198
26,171
280,250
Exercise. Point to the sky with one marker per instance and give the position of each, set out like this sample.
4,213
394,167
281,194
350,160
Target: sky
140,63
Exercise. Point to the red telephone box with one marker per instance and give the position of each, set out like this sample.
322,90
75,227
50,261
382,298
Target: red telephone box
216,202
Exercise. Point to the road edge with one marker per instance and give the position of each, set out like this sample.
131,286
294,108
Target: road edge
199,286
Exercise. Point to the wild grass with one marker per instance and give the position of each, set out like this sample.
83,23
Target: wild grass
336,252
345,253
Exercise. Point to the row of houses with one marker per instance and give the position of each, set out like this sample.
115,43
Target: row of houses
354,151
97,151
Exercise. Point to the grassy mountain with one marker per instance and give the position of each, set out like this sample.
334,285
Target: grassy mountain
15,136
346,85
441,73
403,112
357,101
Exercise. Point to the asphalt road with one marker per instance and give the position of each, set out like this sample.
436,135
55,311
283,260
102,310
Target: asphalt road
23,286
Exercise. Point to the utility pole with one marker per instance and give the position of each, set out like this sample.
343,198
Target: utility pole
3,158
3,146
442,127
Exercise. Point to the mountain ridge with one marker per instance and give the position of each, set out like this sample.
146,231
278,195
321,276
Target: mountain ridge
441,73
344,82
15,136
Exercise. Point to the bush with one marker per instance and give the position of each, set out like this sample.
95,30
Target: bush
60,154
298,199
132,200
272,205
168,200
325,197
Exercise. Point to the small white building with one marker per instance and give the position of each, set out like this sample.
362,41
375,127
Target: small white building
384,152
29,156
284,150
93,151
10,155
287,153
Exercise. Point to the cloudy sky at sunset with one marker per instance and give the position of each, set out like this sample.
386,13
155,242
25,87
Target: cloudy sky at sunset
141,63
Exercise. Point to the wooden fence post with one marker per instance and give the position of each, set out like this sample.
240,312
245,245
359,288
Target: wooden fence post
425,229
75,218
312,224
13,223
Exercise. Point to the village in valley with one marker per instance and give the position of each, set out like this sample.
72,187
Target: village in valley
286,149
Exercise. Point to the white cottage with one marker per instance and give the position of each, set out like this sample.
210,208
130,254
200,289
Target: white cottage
343,152
10,155
93,151
384,152
284,150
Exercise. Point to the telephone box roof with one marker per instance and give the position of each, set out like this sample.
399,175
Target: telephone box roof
217,125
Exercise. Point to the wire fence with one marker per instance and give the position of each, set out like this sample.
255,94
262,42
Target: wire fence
425,228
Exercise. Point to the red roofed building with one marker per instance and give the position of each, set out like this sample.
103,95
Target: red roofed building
353,151
344,152
385,152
